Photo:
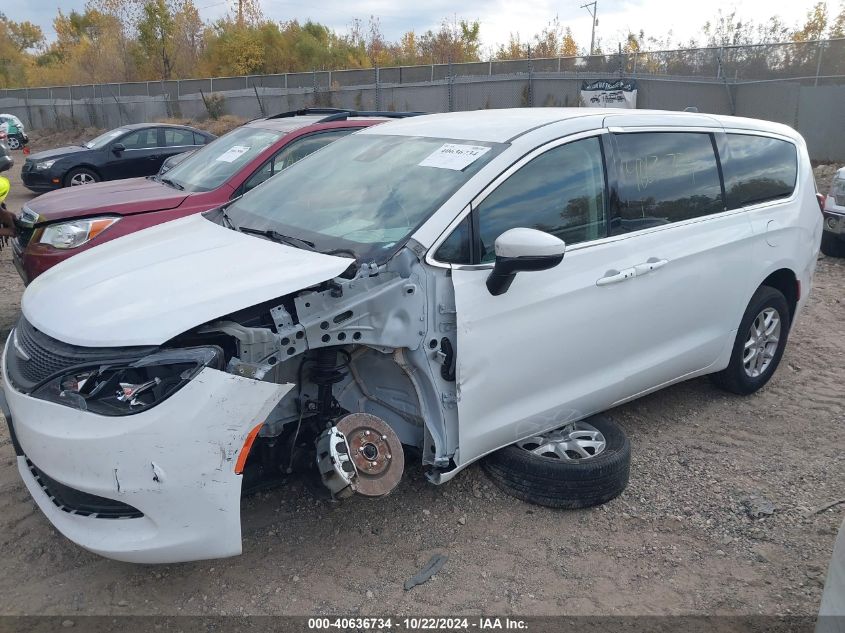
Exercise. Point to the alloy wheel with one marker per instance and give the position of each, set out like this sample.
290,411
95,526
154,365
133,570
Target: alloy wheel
13,142
81,179
762,342
571,443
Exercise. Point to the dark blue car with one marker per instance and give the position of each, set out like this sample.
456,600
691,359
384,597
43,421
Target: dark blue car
125,152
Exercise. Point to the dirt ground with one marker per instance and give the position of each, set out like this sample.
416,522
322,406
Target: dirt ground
680,540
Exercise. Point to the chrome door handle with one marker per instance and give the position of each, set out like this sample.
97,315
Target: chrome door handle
616,276
650,266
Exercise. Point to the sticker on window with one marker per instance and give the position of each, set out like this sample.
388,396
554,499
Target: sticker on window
233,153
454,156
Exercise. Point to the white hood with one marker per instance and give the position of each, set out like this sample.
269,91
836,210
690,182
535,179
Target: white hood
145,288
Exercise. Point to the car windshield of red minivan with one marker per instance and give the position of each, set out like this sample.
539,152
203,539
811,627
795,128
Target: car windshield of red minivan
214,164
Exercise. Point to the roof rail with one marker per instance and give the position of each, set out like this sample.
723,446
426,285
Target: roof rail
339,114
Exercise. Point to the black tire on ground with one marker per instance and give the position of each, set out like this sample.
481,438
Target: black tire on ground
82,172
734,377
833,245
554,483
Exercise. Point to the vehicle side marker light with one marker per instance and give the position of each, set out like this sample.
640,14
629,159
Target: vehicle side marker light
98,226
241,462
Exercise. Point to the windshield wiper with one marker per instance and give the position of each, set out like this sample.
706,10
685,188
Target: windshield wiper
227,219
274,235
172,183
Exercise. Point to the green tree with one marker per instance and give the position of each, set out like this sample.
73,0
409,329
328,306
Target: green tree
458,41
23,35
514,48
837,29
815,24
188,44
156,31
118,23
554,40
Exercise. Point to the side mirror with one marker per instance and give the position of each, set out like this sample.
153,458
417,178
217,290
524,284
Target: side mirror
523,250
118,148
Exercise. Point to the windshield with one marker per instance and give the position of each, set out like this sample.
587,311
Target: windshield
365,193
214,164
104,139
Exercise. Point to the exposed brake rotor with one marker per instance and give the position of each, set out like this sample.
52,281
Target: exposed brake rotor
375,450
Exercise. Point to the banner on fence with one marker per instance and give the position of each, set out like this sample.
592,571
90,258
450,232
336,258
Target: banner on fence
621,93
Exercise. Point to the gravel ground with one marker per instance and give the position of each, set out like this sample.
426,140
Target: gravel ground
680,540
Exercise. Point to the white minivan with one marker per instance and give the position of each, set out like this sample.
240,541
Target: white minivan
444,288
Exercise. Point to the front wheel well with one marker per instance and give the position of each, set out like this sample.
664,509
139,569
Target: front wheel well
786,282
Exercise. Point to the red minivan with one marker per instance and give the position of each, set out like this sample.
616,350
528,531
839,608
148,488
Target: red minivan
61,223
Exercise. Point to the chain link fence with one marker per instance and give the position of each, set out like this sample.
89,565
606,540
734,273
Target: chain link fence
726,80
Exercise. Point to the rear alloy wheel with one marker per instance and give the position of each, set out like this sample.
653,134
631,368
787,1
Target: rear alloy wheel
579,465
80,176
833,245
13,142
759,343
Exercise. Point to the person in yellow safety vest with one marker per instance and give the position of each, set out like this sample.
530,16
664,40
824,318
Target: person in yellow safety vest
7,220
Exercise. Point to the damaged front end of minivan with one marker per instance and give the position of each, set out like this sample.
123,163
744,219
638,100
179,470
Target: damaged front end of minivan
371,366
142,452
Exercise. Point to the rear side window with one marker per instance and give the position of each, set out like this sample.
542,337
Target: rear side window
142,139
199,139
665,177
758,169
174,137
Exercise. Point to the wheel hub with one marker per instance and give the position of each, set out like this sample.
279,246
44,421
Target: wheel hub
375,450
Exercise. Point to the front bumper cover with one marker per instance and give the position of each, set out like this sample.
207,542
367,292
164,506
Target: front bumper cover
39,179
174,463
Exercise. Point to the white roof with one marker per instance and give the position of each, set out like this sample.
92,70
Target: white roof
494,126
501,125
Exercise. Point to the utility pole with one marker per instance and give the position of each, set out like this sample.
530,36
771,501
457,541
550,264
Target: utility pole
592,13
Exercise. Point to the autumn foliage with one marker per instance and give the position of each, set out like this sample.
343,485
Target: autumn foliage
143,40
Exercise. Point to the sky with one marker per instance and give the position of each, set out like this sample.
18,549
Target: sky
498,18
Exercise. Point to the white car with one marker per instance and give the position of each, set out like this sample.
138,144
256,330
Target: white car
473,285
833,238
13,129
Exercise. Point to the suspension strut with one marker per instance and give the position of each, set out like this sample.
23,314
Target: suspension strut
326,371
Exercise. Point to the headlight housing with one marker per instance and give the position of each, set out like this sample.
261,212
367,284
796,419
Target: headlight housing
75,233
45,164
122,388
837,191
